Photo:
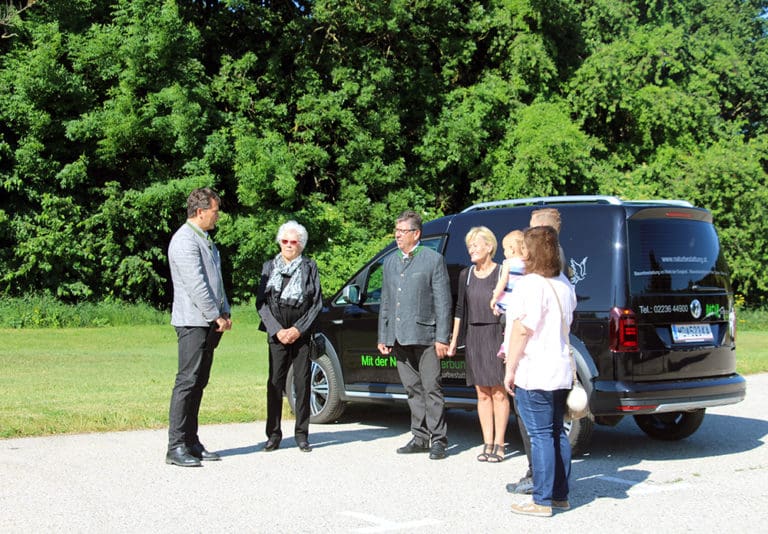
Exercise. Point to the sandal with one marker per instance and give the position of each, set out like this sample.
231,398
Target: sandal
496,455
487,451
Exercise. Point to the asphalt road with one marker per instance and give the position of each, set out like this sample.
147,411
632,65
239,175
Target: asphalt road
353,482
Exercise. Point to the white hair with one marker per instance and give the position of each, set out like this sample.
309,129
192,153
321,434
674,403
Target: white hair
301,232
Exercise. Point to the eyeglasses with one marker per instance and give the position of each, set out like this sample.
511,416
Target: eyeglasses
400,231
289,242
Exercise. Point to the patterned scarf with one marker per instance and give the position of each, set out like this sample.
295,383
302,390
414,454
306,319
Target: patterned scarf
293,293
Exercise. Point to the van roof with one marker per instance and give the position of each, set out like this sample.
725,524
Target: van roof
574,199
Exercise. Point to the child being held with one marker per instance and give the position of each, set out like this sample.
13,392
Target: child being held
512,269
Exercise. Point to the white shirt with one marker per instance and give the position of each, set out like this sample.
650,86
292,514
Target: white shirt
546,362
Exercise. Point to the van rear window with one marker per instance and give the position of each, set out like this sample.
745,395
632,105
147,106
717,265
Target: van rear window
668,255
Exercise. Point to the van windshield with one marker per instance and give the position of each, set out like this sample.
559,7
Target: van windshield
668,255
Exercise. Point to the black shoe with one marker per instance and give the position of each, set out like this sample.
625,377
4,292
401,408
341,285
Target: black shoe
437,451
524,486
415,445
304,446
181,456
272,444
199,452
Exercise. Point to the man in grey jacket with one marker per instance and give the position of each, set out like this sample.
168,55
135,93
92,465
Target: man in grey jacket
415,323
200,315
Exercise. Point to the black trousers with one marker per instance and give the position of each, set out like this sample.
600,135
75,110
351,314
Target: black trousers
280,359
196,346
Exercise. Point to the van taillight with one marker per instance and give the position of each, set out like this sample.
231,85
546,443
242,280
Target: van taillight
623,330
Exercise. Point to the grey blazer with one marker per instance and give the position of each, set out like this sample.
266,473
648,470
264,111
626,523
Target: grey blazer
416,304
198,287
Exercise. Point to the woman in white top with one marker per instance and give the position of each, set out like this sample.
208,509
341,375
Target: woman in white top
538,369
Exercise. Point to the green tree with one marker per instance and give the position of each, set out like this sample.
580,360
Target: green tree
341,113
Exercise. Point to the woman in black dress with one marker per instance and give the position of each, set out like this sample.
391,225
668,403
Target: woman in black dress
482,332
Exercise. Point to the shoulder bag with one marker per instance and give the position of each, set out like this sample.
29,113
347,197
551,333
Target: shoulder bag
577,401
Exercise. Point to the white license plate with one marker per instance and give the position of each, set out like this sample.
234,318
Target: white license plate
691,333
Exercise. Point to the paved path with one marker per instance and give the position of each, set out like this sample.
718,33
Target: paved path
715,481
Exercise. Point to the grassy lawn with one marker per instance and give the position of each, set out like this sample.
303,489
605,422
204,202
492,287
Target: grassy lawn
117,378
752,352
76,380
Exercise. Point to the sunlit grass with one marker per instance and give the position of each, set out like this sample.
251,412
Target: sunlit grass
73,380
118,378
752,352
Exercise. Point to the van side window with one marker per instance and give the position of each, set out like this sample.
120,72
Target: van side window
372,293
373,286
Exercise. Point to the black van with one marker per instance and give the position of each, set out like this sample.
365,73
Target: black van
653,332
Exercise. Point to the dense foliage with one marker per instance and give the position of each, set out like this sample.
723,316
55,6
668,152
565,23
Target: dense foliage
341,113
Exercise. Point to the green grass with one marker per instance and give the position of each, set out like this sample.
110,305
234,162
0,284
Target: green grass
752,352
74,380
118,378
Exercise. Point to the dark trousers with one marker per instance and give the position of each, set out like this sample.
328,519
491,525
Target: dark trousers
196,346
280,359
419,370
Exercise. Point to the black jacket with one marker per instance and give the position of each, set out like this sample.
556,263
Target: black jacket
268,305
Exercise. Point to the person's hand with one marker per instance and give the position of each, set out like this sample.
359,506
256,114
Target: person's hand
281,336
451,349
441,349
384,349
493,305
293,334
287,336
223,323
509,382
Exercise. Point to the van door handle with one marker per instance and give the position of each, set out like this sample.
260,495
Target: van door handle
338,321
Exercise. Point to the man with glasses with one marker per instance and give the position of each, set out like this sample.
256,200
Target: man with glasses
200,315
415,324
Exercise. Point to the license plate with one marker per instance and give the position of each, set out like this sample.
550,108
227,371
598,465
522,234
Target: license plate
691,333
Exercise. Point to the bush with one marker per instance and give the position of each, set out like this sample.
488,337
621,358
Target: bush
752,320
47,312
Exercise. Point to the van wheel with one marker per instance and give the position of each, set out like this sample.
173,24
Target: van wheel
670,426
579,433
324,403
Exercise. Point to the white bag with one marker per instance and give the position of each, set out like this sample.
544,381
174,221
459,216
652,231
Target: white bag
577,402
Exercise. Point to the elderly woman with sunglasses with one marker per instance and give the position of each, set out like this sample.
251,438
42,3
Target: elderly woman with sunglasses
288,301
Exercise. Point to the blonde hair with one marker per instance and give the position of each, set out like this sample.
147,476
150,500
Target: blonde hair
546,217
516,237
484,233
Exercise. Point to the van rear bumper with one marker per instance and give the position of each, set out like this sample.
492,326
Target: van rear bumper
632,398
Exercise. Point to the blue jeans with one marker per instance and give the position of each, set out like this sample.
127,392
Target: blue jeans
542,413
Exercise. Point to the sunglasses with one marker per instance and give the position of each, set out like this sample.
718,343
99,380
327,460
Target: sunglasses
289,242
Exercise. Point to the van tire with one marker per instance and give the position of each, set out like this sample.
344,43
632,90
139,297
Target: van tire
670,426
325,405
579,434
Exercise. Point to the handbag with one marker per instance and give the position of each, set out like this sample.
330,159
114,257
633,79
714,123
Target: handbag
577,401
316,346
